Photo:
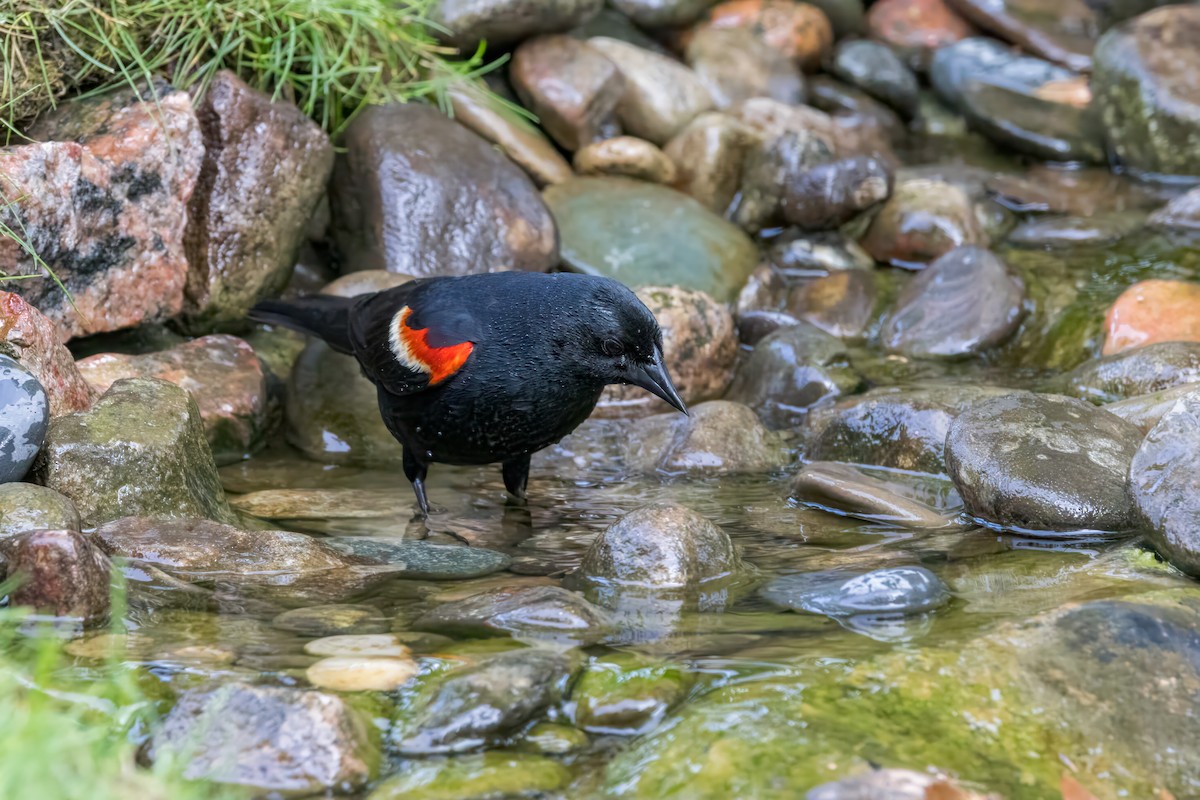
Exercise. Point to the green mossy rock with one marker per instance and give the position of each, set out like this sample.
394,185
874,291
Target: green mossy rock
485,776
627,694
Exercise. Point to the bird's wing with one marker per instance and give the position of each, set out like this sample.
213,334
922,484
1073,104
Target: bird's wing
409,339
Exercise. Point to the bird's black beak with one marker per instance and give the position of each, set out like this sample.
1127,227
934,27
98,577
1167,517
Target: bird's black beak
653,377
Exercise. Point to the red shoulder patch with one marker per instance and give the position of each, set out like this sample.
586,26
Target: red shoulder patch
412,349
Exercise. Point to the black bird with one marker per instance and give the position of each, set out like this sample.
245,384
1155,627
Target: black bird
485,368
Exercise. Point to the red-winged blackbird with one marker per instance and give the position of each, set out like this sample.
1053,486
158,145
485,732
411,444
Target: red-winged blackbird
487,368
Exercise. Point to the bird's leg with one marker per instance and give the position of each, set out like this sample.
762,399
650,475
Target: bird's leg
415,471
516,475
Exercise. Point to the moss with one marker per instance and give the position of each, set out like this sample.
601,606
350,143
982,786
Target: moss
627,693
475,777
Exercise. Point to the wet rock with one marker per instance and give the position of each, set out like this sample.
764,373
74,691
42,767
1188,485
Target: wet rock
507,22
1142,370
63,574
419,559
754,326
842,304
843,100
1181,213
719,438
419,194
265,167
894,591
956,66
844,489
535,612
221,372
916,28
735,67
1163,483
29,507
269,738
1066,233
33,340
699,349
359,645
924,219
964,303
798,31
708,155
769,119
662,546
1043,463
571,87
332,620
893,427
1064,33
879,72
141,450
627,694
808,254
358,674
1145,88
200,549
890,784
830,195
495,773
26,418
662,13
627,156
769,168
1153,311
1146,410
553,740
317,504
516,136
661,95
467,708
791,371
647,235
103,202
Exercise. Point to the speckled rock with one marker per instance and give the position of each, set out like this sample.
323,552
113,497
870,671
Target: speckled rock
272,739
265,167
1043,463
708,155
221,372
964,303
791,371
878,71
847,490
141,450
507,22
798,31
64,575
547,613
735,67
661,95
1163,483
24,422
916,28
516,136
699,349
1153,311
512,687
627,156
572,87
29,507
830,195
718,438
419,194
924,219
29,337
647,235
103,201
1145,86
1129,373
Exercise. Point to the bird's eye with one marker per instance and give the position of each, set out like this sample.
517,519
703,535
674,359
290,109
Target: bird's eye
612,347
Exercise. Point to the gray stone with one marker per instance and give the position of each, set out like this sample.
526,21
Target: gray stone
546,613
417,559
878,71
718,438
29,507
955,66
1146,90
1164,482
662,13
25,421
791,371
509,21
265,167
269,738
845,489
1142,370
1064,32
1145,410
417,193
893,591
1043,463
470,707
141,450
962,304
647,235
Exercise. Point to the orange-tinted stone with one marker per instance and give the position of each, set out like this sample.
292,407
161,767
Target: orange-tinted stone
917,27
1153,311
797,30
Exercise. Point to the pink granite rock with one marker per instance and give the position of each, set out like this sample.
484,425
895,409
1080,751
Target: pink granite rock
27,336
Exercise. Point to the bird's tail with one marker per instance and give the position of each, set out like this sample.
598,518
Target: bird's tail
324,316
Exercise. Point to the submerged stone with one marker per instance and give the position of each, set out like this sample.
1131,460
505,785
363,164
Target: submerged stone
418,559
717,438
548,613
896,591
332,620
495,773
845,489
627,694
